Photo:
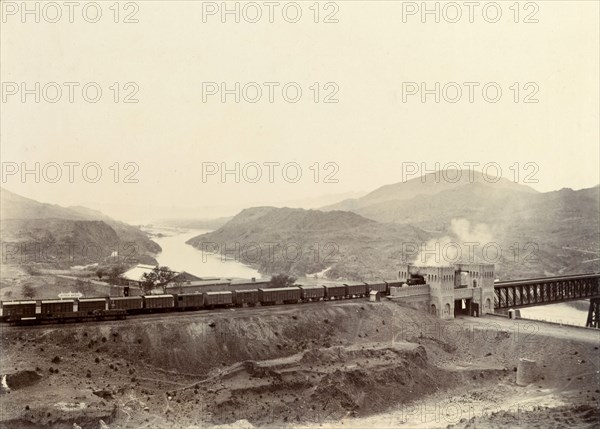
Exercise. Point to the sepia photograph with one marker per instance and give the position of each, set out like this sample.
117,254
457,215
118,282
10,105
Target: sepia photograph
311,214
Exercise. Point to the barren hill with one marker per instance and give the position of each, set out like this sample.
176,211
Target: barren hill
429,185
523,232
60,236
341,364
300,242
538,233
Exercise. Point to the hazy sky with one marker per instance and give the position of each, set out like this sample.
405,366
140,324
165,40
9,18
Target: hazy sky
172,134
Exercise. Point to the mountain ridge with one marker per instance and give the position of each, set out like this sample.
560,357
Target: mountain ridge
26,221
428,185
537,233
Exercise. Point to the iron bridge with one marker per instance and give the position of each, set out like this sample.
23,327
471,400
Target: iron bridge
550,290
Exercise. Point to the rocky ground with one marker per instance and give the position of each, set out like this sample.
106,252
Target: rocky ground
347,364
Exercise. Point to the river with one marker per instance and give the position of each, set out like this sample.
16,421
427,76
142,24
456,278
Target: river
565,313
182,257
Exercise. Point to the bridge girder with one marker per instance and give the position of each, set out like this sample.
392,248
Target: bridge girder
526,293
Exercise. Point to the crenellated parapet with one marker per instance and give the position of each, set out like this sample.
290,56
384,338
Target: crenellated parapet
468,286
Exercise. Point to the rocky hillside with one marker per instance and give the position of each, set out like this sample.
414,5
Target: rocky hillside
523,232
300,242
538,233
34,232
391,197
335,365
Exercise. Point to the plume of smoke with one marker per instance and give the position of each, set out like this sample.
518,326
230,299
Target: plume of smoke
463,245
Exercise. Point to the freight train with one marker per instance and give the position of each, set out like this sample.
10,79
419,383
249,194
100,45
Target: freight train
117,308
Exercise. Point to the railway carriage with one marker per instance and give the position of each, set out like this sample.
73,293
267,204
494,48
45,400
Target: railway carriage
91,305
156,303
189,301
248,297
218,299
312,293
380,287
17,310
356,289
132,304
284,295
394,283
56,307
335,291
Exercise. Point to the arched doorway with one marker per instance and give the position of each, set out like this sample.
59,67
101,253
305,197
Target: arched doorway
447,309
488,305
433,309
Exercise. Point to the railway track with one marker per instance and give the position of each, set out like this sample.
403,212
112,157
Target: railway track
110,308
184,315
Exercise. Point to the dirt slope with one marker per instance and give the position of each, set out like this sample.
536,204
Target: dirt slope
305,364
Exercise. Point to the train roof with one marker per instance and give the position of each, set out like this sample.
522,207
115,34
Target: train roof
220,292
355,284
311,286
53,301
5,303
279,289
123,298
92,299
158,296
328,286
247,290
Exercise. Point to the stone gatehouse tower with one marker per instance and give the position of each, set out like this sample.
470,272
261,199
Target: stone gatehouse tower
446,291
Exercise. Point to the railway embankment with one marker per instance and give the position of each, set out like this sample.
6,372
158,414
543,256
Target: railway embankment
305,364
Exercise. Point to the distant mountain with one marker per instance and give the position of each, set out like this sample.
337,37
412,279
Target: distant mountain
88,213
59,236
317,201
564,225
428,185
523,232
187,220
300,242
15,206
538,233
210,224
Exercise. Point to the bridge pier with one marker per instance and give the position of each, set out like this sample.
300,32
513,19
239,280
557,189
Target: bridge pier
593,319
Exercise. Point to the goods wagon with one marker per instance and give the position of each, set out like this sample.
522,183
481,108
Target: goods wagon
335,291
189,301
394,283
133,304
312,293
356,289
286,295
218,299
56,306
158,302
18,309
89,305
249,297
379,287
